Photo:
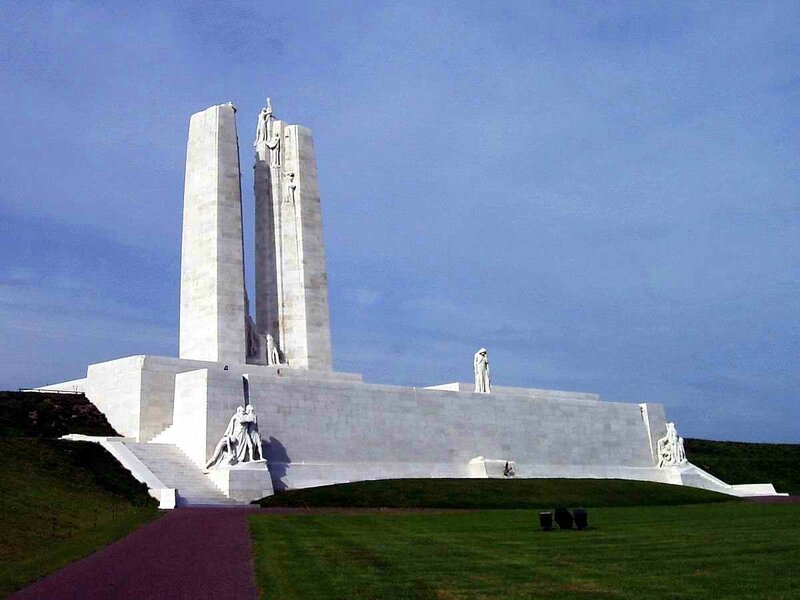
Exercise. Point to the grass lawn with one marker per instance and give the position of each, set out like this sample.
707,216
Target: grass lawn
724,550
59,500
492,493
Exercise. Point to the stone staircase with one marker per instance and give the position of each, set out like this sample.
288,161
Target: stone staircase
165,437
694,476
176,470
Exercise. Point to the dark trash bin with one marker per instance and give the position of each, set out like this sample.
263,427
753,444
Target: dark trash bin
581,518
546,520
564,518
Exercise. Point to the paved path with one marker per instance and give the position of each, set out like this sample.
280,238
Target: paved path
189,553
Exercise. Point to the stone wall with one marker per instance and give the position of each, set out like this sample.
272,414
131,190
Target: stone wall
136,393
321,432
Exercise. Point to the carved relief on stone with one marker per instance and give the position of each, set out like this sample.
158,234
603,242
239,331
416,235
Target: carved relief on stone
241,441
480,364
670,449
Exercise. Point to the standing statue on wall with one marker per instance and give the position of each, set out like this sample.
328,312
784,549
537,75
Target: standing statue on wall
273,354
291,186
266,133
239,442
481,367
274,145
670,448
264,121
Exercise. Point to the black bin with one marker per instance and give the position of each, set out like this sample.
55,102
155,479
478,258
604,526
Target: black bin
563,518
581,518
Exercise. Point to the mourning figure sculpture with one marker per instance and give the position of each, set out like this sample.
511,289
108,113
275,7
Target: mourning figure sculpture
241,441
481,367
670,448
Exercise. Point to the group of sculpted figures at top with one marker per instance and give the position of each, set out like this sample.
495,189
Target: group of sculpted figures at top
264,347
268,134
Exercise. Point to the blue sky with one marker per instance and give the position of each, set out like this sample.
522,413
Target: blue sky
605,195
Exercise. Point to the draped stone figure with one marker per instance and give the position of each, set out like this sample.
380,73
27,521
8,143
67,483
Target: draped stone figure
273,355
268,134
264,121
670,448
481,367
252,433
274,145
261,128
291,186
241,441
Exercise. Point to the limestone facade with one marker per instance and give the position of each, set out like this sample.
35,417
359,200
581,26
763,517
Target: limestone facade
212,309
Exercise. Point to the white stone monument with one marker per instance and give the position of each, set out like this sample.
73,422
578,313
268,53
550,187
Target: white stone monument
316,426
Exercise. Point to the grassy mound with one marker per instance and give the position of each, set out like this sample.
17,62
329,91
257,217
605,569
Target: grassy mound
34,414
492,493
740,462
60,500
725,550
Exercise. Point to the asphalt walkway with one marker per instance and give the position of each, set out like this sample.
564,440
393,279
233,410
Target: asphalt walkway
189,553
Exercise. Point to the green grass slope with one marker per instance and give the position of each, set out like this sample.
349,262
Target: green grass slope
740,462
492,493
33,414
724,550
59,500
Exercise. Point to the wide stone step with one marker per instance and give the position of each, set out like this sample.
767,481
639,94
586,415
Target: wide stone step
177,471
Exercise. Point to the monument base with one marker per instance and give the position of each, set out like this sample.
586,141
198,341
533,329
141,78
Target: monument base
321,428
244,482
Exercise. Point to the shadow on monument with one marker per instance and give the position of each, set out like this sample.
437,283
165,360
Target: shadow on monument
277,461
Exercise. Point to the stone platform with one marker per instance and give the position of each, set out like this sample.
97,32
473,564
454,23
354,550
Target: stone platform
321,428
